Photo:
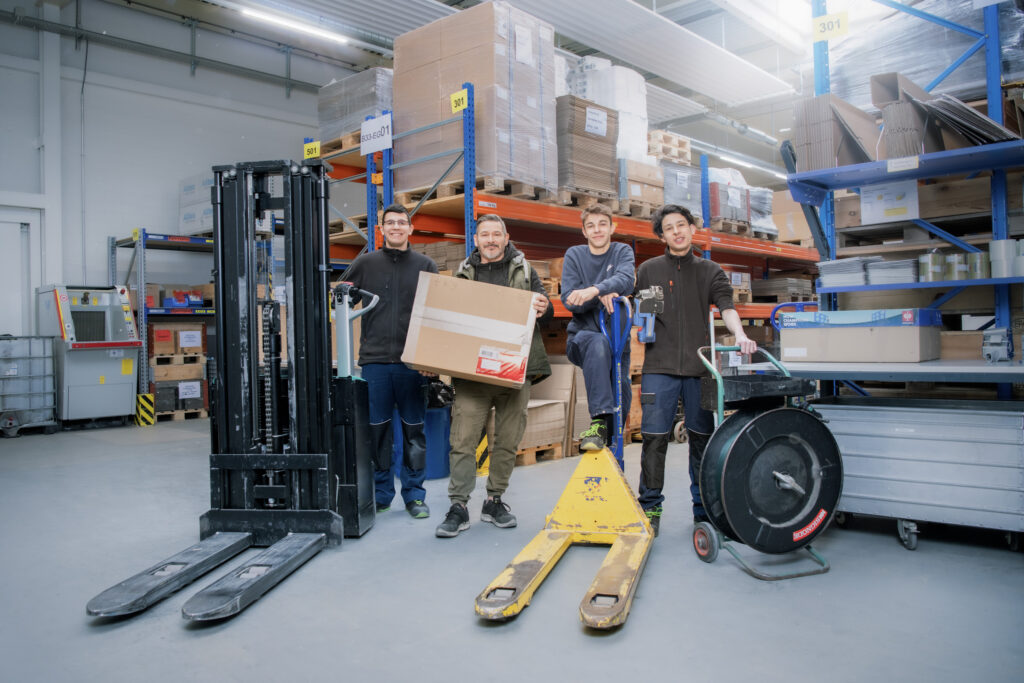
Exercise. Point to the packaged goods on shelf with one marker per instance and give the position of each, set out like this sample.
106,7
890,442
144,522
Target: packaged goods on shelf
508,56
729,202
891,272
761,210
470,330
682,187
788,218
782,289
921,49
195,210
641,182
170,338
586,134
619,88
829,132
191,394
561,75
890,335
153,293
558,387
847,272
343,105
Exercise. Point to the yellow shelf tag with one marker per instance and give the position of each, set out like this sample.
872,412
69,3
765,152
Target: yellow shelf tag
829,26
311,150
460,100
377,178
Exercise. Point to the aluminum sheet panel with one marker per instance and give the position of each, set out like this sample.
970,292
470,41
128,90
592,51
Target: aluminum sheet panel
650,42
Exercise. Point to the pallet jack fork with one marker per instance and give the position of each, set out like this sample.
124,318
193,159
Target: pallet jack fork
290,458
596,508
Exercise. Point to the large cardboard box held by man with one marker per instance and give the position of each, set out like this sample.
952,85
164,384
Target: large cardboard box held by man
470,330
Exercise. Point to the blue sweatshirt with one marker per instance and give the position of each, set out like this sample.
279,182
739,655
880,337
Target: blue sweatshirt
612,271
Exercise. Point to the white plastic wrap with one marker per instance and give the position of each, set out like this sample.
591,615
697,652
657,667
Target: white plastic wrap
619,88
343,105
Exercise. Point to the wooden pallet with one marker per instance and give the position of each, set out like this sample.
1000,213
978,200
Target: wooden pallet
571,196
673,155
783,297
730,226
177,367
552,286
340,144
492,184
741,296
634,208
530,456
180,415
177,359
768,236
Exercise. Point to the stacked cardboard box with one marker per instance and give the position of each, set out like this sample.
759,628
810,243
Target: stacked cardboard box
729,202
641,182
682,187
343,105
172,338
830,132
190,395
508,55
789,219
195,210
586,134
446,255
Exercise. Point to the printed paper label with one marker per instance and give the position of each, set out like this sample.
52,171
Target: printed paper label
189,390
190,339
494,362
524,45
597,122
682,179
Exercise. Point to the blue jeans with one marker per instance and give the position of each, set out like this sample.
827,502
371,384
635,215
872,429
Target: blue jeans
659,397
391,386
592,352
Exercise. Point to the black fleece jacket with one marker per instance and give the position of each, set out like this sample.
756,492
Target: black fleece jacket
392,275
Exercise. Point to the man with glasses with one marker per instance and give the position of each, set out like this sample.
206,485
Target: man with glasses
392,273
672,369
494,261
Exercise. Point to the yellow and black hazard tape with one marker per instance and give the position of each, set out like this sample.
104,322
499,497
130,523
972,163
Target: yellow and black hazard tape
145,416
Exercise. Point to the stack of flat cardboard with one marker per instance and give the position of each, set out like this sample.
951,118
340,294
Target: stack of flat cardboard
586,134
830,132
446,255
906,130
789,218
508,55
641,182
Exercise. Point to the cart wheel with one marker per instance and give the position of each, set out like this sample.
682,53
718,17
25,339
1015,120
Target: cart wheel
679,432
1013,541
908,533
705,542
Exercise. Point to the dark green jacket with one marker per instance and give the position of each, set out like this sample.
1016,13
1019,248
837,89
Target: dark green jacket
513,271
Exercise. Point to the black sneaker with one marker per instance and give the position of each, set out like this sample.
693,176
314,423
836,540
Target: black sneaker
418,509
455,522
383,507
596,436
497,513
654,517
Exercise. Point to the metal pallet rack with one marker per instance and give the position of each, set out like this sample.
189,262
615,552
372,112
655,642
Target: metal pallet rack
139,242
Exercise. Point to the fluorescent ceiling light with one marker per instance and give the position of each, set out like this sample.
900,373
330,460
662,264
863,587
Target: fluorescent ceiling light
294,25
746,164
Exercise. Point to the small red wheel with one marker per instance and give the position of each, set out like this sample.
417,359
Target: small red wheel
705,542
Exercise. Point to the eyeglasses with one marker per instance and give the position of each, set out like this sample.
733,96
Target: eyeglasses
399,224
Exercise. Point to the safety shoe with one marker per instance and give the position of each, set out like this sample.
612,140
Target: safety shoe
497,513
383,507
418,509
596,436
455,522
654,517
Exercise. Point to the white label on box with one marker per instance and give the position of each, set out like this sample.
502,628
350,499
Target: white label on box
501,26
901,164
734,196
735,359
635,190
737,278
502,137
546,33
12,371
500,93
189,390
597,121
188,339
281,294
795,352
889,202
682,179
524,45
375,135
116,353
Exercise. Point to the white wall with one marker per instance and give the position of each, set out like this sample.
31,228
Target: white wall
106,158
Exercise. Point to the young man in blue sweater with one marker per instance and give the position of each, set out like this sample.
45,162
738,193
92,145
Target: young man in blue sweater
592,276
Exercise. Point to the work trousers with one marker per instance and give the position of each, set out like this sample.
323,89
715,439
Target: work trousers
659,399
473,403
395,385
592,352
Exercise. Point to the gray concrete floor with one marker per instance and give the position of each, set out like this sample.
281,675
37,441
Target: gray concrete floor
82,510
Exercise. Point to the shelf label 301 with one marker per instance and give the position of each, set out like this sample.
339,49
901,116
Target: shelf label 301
829,26
460,100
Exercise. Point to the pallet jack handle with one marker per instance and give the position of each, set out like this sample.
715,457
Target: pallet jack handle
618,337
345,296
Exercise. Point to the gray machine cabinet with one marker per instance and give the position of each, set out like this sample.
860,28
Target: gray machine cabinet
954,462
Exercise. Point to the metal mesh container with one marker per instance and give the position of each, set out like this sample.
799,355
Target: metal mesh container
27,397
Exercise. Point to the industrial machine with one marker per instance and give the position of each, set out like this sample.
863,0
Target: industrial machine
96,350
290,462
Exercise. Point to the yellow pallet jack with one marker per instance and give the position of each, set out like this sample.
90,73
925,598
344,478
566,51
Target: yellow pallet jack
596,508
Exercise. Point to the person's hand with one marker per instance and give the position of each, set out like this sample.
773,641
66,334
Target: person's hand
608,301
540,303
746,344
578,297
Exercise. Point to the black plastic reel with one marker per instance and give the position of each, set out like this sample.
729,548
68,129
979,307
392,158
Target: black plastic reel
771,479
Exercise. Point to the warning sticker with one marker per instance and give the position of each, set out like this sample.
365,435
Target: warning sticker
809,529
494,362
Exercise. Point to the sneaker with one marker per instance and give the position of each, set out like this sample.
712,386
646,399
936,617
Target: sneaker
383,507
596,436
497,513
455,522
418,509
654,517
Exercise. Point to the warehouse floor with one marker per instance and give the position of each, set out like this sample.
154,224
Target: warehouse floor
82,510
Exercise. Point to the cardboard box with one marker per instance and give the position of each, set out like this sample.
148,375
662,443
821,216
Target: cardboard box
559,387
649,174
471,330
153,294
961,345
830,132
195,189
788,217
195,218
169,338
190,394
865,336
545,423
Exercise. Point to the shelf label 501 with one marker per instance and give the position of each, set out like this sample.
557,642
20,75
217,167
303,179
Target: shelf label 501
829,26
